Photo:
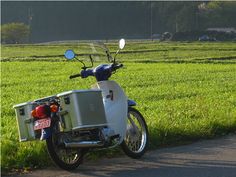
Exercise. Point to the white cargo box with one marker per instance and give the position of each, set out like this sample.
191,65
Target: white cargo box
25,121
82,109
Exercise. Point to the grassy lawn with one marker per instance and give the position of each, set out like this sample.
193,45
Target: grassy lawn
186,91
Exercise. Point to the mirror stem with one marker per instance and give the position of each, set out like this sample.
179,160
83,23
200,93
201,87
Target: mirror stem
116,55
91,59
83,67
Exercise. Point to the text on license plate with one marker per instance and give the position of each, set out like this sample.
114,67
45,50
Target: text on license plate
42,123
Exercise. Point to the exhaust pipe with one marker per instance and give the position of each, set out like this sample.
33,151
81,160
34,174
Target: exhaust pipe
84,144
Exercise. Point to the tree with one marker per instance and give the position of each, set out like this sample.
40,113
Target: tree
218,14
176,16
13,33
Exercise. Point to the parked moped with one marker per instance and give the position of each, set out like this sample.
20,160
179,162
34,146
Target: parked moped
77,121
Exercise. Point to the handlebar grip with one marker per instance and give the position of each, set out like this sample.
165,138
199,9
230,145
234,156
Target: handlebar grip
74,76
118,66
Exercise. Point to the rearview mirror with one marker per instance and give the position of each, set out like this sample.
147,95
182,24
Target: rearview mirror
69,54
121,44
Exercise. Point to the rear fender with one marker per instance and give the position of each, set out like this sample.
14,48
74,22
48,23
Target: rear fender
45,133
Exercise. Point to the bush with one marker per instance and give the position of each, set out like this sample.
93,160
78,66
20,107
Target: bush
14,33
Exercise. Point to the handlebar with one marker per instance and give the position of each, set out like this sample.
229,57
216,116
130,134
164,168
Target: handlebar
101,72
74,76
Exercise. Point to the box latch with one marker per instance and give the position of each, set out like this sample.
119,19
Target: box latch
67,100
22,111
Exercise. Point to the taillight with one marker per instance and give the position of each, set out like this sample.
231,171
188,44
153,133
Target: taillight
54,108
42,111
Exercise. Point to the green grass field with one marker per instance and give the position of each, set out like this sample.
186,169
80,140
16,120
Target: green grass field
186,91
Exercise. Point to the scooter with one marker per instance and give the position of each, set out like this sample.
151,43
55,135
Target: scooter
78,121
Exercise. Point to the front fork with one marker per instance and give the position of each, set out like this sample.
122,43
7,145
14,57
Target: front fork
133,129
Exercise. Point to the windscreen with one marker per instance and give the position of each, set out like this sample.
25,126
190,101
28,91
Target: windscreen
96,50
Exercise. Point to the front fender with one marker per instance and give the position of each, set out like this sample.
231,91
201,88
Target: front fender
131,103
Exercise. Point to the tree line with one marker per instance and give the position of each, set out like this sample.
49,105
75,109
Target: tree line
151,18
194,16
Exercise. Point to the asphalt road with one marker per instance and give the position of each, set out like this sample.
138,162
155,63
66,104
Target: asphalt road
208,158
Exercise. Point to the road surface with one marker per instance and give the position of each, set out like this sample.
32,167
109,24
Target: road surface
208,158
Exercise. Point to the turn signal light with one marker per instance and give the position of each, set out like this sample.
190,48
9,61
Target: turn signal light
33,113
53,108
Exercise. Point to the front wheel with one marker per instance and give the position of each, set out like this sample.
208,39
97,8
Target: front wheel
65,158
135,142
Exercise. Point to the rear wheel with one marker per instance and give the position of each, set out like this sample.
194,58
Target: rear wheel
135,142
65,158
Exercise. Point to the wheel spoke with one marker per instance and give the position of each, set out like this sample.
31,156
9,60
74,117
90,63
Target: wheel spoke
68,156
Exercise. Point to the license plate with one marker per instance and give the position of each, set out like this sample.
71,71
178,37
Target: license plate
42,123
